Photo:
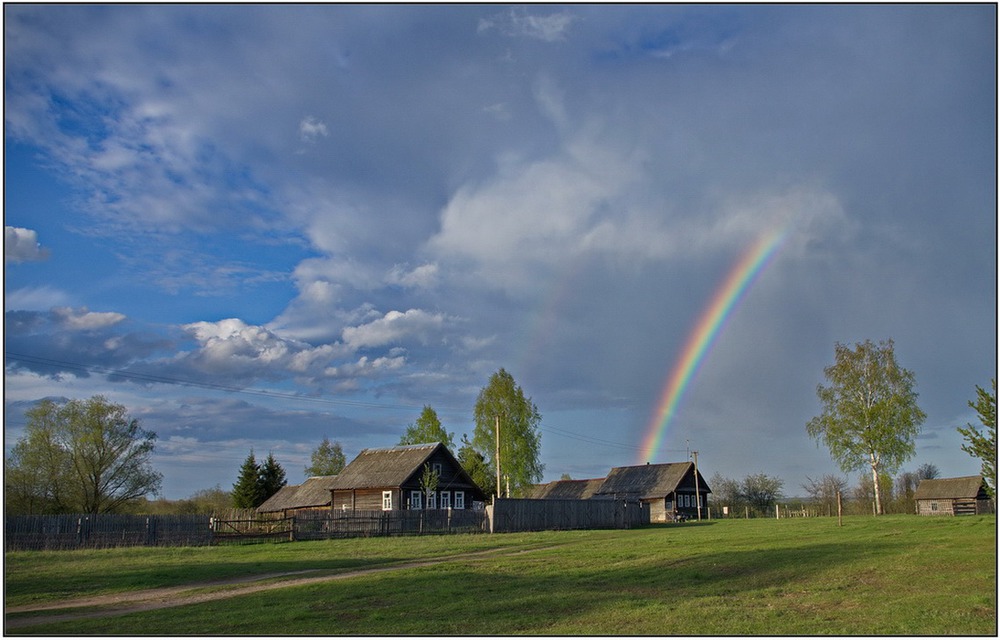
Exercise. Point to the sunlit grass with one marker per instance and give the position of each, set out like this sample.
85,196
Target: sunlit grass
898,575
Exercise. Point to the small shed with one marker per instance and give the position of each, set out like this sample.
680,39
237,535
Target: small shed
672,490
389,479
953,496
314,493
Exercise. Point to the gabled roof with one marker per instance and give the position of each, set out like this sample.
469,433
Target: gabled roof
314,492
943,488
566,489
392,467
649,480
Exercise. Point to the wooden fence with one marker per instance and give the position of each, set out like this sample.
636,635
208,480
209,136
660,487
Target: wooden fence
509,515
74,531
56,532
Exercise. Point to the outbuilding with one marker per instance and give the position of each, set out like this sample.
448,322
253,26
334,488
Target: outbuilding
953,496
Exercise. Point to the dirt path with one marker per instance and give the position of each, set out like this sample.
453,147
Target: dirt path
149,599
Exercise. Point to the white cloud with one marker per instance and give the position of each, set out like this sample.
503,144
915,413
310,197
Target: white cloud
311,129
21,245
35,298
394,327
84,320
424,276
520,24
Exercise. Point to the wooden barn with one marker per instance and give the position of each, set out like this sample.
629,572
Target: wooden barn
390,479
953,497
314,493
671,490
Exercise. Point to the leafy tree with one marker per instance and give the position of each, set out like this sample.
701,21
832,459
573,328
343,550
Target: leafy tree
760,491
248,492
520,440
476,466
426,429
984,445
565,476
429,480
272,477
870,413
85,456
327,459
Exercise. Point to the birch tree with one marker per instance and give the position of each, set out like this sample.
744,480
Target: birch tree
870,415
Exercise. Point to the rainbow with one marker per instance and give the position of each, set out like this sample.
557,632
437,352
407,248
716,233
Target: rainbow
707,329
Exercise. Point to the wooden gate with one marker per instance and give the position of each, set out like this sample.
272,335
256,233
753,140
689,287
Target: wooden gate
251,529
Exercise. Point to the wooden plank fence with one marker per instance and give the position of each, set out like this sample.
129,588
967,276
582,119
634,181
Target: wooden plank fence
76,531
509,514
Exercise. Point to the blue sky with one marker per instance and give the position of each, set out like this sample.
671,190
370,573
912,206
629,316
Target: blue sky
260,225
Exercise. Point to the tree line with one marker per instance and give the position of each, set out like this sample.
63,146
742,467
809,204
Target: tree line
91,456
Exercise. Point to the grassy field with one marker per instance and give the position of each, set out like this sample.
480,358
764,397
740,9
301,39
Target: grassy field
899,575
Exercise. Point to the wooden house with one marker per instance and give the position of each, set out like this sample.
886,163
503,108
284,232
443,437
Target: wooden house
566,489
314,493
672,490
390,479
953,496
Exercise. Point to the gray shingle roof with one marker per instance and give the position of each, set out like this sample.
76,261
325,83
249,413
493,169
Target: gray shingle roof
314,492
648,480
375,468
566,489
943,488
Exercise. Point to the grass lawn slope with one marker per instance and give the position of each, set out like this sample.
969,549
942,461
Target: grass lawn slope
893,575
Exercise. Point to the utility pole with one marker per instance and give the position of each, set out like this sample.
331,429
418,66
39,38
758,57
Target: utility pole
697,489
498,455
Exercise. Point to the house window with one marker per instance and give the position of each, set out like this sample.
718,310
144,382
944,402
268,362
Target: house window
459,499
436,468
416,500
446,499
432,500
669,505
934,506
387,501
684,501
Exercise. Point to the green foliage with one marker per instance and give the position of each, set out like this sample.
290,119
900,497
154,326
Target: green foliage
984,445
760,490
327,459
272,477
427,429
520,440
429,480
870,414
476,466
84,456
248,492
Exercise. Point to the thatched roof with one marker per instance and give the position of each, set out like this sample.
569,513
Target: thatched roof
648,480
313,493
566,489
944,488
391,467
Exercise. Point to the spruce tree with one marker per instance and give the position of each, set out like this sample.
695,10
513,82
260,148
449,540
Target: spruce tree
272,478
247,491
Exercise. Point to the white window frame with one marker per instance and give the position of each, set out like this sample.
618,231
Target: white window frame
387,501
432,500
459,499
445,501
417,500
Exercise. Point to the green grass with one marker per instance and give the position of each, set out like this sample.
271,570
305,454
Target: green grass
895,575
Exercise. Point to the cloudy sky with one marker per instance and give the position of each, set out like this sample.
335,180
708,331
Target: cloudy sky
256,226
